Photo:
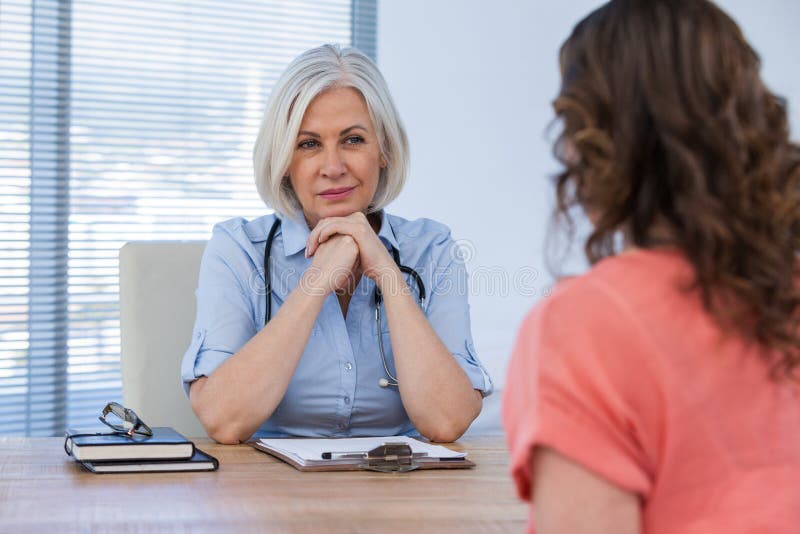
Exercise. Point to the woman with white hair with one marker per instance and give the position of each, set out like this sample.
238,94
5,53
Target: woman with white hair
331,317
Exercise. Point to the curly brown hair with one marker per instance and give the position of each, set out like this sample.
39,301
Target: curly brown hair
670,137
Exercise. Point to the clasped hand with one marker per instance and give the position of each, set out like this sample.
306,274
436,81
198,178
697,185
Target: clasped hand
343,248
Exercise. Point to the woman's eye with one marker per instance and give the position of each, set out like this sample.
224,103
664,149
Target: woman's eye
308,143
354,140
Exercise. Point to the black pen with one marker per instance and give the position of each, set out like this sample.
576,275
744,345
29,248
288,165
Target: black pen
343,455
359,455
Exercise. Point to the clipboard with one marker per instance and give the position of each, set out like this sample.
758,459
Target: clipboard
390,457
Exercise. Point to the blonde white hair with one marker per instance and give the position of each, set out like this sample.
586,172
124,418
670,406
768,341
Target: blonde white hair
310,74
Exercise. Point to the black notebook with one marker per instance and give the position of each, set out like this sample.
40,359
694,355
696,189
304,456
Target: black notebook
201,461
165,444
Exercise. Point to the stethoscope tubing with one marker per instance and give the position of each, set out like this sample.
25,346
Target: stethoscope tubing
390,379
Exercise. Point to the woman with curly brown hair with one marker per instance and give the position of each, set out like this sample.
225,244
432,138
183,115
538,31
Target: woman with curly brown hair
659,392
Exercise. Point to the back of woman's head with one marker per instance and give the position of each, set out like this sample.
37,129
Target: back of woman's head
671,138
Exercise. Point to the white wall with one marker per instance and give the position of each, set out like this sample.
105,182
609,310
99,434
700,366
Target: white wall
473,81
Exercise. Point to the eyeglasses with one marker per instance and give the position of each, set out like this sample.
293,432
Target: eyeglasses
124,420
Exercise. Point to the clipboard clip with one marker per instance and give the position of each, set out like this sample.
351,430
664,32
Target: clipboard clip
390,458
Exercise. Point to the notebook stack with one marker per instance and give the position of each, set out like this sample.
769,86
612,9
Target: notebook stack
165,451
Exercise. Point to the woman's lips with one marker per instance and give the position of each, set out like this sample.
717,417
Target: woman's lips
337,194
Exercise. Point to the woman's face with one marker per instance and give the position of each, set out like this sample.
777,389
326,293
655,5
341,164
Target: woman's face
337,161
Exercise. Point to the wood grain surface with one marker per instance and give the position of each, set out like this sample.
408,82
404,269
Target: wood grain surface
41,489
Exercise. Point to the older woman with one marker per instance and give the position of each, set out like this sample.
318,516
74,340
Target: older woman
659,392
332,317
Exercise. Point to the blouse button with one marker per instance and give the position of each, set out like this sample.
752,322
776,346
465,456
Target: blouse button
348,366
347,400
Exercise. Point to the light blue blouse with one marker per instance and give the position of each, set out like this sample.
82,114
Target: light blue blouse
334,391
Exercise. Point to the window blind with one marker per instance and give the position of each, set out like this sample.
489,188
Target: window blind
120,122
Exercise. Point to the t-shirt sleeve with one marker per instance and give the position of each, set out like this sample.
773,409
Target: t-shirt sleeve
225,318
579,383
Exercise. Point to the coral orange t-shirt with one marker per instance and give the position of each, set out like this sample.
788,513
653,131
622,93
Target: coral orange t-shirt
624,372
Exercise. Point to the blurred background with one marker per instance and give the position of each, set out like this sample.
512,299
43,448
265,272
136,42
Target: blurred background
135,120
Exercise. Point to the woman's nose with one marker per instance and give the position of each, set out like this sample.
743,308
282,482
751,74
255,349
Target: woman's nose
333,164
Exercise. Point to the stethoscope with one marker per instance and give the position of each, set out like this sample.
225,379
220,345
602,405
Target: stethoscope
389,379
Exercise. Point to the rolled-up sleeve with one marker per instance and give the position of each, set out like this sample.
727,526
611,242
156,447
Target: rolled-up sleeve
225,318
448,313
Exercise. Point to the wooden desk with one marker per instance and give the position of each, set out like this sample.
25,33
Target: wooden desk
42,489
